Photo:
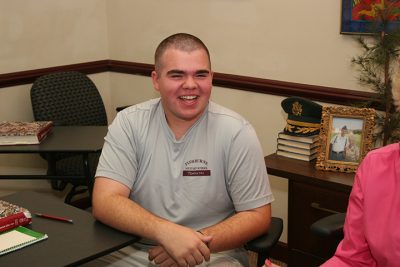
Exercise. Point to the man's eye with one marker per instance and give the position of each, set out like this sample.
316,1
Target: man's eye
202,75
175,76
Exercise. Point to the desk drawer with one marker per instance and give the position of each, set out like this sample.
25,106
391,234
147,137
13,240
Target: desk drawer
307,204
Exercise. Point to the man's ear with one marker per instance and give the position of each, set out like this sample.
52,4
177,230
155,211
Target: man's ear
154,79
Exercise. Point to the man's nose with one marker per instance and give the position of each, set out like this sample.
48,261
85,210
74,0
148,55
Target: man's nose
189,83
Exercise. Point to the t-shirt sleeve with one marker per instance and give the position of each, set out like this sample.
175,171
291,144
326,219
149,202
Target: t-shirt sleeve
118,160
248,182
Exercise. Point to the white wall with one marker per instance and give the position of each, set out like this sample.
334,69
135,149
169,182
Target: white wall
295,41
39,34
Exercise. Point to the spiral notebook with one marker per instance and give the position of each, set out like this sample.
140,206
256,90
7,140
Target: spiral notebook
18,238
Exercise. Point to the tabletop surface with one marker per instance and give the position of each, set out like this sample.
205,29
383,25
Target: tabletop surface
77,139
68,244
305,171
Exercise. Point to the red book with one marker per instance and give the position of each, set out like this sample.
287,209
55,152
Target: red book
24,133
12,216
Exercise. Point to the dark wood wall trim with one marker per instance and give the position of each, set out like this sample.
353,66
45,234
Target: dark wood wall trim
281,88
29,76
258,85
130,67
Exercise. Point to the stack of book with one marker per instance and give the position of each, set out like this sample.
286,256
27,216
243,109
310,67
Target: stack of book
298,147
13,234
24,133
12,215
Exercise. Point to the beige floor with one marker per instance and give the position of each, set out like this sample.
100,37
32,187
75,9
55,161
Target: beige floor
253,260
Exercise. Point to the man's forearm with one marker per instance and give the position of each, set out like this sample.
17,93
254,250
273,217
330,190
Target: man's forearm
125,215
112,206
240,228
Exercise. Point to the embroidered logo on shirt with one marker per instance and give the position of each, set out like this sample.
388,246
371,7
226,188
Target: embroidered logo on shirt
196,167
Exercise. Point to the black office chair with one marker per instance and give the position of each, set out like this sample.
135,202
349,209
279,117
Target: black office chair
69,99
263,244
329,226
329,229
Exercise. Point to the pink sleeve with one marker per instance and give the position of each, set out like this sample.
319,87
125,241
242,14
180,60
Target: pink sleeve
353,250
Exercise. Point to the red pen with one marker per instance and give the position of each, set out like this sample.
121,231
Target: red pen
47,216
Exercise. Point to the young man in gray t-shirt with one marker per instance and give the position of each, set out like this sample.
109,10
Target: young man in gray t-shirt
184,173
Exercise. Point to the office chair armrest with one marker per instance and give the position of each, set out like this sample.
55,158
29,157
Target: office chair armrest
331,225
264,243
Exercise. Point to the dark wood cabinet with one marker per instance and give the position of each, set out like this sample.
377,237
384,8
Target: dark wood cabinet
312,194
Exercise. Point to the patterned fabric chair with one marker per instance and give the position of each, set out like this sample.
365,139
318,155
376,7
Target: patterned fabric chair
69,99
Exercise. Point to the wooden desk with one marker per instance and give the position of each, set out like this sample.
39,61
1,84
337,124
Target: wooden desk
311,194
68,244
62,139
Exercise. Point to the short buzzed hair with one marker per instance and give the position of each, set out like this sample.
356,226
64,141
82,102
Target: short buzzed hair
180,41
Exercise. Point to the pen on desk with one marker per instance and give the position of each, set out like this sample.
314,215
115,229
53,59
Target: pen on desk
47,216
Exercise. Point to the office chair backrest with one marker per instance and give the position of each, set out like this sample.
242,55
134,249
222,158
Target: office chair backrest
67,98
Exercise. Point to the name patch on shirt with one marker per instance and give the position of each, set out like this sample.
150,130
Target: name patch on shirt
197,173
196,167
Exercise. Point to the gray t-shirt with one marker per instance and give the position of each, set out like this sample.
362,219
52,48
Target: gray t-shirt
215,169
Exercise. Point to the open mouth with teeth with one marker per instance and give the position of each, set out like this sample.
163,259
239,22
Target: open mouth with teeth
188,97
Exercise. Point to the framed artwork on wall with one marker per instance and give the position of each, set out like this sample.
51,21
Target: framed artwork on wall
345,136
360,16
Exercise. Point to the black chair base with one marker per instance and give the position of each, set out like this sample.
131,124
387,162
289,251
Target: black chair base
75,190
263,244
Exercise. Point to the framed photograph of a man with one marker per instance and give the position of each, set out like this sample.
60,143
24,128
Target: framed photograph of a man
345,136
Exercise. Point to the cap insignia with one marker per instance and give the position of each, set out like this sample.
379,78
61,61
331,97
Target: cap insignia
297,108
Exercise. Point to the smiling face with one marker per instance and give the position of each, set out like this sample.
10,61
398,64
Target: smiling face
184,80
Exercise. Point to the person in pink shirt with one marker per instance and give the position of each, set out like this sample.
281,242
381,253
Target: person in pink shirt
371,229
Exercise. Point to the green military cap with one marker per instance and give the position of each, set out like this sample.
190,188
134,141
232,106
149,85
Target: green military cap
304,116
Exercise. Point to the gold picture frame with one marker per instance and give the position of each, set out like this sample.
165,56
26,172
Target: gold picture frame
346,136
